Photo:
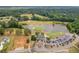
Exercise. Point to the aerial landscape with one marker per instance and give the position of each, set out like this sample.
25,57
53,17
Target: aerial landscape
39,29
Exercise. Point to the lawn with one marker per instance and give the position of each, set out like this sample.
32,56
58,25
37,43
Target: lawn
53,35
28,15
40,22
38,28
42,17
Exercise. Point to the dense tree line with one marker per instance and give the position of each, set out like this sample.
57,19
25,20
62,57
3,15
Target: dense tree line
10,24
74,27
66,15
54,14
13,24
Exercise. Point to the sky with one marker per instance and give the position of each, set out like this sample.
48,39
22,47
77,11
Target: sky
39,2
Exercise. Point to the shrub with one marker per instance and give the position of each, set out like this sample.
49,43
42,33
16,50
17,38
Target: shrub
18,31
33,38
1,31
27,31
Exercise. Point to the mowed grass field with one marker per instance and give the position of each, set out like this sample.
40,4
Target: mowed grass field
39,22
37,15
28,15
53,35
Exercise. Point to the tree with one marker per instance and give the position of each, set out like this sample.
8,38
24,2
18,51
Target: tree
27,31
25,18
2,24
74,27
33,38
2,31
14,24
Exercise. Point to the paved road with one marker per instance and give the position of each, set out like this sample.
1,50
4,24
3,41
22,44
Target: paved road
20,50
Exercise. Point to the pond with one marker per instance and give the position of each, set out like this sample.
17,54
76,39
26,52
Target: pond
49,27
